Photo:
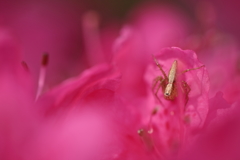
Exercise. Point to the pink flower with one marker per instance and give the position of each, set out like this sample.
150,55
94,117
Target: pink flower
128,105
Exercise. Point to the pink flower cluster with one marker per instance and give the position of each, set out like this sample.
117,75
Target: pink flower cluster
120,109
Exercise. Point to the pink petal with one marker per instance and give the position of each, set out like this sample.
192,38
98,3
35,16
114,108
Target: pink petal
97,83
177,118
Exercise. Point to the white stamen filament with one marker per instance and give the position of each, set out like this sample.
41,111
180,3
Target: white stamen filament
42,75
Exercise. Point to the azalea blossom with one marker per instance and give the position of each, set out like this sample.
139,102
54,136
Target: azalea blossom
143,96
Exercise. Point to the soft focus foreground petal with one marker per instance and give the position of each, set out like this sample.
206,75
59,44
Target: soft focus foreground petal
178,118
17,116
87,133
79,134
11,63
94,94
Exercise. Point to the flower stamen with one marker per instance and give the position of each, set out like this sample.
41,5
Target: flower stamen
42,74
154,112
25,66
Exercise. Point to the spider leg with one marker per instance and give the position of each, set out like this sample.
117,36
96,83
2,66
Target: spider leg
187,70
155,82
164,74
186,89
157,85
